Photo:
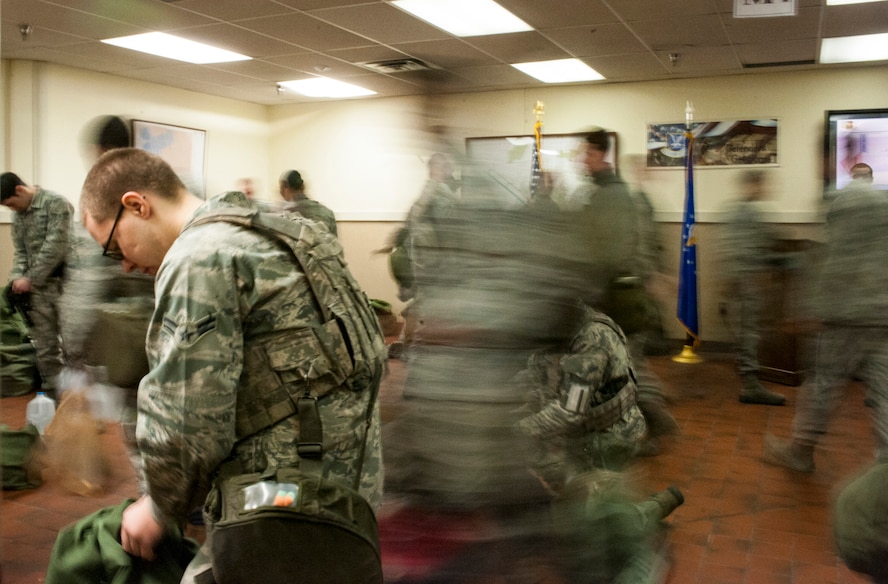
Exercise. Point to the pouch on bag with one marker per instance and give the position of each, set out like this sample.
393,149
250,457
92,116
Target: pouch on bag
291,526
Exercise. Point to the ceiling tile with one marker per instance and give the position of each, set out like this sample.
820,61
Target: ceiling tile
690,31
305,31
661,9
497,75
366,54
382,23
544,15
855,19
787,51
805,25
317,64
449,53
603,39
519,47
633,66
159,16
240,40
232,10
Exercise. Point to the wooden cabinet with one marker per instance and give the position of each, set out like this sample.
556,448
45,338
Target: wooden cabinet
784,347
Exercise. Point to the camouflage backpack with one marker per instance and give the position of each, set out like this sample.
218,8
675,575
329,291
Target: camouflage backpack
350,338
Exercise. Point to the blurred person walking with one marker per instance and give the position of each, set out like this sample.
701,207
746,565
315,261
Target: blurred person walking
748,249
851,303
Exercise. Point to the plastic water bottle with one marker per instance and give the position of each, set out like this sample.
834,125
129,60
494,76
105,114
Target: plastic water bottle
40,411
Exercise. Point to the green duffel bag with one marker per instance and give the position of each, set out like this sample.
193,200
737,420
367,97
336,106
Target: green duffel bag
19,451
18,369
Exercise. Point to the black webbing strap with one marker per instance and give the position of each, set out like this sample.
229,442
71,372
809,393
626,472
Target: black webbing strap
310,446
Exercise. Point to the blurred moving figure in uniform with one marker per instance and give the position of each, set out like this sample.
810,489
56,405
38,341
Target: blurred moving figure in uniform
851,303
748,245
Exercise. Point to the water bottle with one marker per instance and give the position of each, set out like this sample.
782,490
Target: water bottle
40,411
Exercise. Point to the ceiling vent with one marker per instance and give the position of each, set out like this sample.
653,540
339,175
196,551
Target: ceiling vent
396,65
778,64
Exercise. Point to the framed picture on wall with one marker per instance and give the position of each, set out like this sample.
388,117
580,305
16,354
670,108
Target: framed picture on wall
730,143
853,136
183,148
503,165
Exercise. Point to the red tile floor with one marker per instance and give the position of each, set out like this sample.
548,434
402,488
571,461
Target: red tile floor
743,522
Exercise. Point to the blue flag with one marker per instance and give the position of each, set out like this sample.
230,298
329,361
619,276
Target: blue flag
687,271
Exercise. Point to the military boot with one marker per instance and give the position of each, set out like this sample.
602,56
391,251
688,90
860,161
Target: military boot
659,505
753,392
791,455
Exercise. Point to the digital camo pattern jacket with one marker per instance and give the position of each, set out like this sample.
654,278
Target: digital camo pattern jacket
567,390
225,294
41,237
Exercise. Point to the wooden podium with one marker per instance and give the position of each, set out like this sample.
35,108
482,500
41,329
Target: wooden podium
783,347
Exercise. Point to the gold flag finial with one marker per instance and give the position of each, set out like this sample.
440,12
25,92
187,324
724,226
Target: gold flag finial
538,110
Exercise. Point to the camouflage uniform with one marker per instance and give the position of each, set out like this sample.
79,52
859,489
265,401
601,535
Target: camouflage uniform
41,236
851,299
227,297
748,249
610,220
311,209
434,203
567,391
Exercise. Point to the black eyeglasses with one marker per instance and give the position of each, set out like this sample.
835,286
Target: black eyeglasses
114,254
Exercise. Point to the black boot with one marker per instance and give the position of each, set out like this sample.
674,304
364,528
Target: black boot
753,392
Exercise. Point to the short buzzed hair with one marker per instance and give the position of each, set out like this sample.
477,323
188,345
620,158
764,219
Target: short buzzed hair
862,170
599,139
8,182
122,170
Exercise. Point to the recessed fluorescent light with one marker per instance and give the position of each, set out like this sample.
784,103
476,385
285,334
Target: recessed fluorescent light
465,18
559,71
173,47
865,47
326,87
841,2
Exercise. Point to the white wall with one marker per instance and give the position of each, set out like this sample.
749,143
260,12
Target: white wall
67,100
366,158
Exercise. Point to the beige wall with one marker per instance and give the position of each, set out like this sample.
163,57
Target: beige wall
366,158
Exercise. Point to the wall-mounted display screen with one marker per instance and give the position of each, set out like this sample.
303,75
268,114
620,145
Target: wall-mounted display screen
855,136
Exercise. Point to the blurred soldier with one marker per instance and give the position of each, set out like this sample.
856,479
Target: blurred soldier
851,302
292,189
748,250
227,296
415,249
41,231
620,234
434,203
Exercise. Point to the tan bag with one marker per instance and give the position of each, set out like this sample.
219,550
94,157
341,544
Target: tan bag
76,454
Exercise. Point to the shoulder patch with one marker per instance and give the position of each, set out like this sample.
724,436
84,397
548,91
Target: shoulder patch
186,334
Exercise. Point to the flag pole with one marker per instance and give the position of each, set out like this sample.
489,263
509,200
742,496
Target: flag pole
687,275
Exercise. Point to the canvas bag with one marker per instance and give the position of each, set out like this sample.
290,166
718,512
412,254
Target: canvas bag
19,450
293,525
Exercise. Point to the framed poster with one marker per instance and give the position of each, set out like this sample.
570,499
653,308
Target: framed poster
502,165
853,136
183,148
731,143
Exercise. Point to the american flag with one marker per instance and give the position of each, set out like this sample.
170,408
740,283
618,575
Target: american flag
536,172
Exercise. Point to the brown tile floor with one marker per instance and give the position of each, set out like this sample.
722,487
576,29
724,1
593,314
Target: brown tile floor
743,522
